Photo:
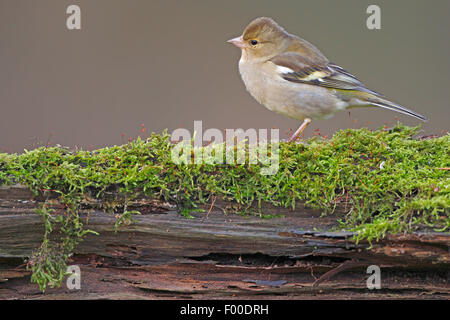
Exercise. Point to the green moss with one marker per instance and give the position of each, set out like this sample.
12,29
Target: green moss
392,182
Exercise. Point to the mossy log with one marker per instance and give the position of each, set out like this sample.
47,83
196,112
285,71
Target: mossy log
165,255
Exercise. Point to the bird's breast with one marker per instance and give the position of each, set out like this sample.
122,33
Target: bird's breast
265,84
254,79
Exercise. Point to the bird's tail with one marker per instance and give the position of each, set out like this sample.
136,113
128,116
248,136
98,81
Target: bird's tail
386,104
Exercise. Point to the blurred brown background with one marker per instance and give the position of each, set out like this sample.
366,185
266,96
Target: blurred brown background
166,63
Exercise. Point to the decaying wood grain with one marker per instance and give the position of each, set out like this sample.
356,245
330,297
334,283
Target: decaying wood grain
164,255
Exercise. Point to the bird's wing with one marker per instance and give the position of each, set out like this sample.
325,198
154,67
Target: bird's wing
299,69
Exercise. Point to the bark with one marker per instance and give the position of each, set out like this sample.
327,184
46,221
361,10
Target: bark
215,255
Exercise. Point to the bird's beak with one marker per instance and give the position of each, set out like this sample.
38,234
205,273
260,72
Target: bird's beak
238,42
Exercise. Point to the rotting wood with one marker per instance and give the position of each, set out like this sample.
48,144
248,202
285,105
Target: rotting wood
164,255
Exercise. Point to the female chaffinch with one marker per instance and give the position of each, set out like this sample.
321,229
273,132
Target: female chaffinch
290,76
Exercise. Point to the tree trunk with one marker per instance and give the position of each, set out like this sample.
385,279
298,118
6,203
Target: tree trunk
218,255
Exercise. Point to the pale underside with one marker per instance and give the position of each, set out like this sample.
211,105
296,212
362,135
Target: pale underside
295,100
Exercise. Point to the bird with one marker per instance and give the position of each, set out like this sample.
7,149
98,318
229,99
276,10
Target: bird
290,76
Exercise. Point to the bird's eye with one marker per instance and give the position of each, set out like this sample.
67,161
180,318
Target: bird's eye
254,42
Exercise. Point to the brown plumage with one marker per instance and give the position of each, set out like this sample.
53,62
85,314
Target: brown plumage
290,76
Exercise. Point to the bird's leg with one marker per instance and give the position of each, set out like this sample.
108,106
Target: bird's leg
299,131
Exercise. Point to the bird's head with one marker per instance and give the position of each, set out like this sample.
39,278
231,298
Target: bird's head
262,39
